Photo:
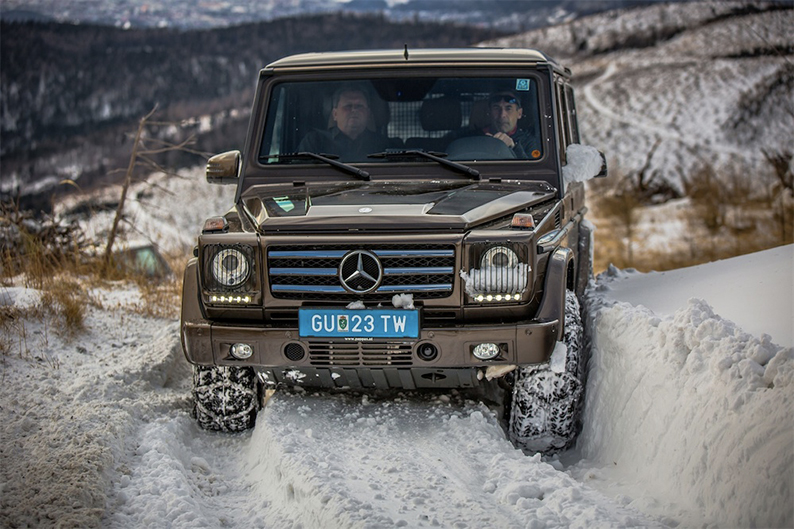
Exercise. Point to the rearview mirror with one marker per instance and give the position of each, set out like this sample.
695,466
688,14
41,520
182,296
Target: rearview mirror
224,168
602,173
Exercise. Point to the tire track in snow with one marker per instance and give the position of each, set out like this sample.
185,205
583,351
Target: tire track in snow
335,460
418,461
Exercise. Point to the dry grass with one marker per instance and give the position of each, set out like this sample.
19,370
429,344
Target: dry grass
65,276
728,215
65,301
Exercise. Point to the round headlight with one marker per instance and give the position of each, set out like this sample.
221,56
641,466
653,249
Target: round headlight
230,267
499,256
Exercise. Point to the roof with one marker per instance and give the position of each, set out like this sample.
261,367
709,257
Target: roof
418,56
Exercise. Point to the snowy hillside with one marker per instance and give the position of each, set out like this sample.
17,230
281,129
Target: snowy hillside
667,89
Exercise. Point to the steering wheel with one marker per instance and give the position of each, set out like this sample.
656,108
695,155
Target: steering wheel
476,148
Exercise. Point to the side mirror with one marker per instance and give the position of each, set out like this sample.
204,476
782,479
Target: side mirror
603,172
224,168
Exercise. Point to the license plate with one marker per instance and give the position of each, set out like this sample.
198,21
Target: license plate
365,323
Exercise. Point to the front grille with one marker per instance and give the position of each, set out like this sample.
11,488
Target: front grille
359,354
312,272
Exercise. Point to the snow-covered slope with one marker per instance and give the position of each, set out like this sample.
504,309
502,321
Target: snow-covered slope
688,423
667,89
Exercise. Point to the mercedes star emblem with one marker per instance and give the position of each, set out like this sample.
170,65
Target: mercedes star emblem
360,272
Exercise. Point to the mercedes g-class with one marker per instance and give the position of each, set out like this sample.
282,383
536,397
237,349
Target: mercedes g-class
402,220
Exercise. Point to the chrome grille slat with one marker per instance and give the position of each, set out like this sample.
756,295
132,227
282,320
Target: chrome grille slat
303,271
312,272
417,270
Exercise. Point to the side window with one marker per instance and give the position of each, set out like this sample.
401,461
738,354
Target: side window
562,120
573,122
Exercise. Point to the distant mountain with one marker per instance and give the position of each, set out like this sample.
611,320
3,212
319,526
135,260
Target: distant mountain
69,93
664,90
668,90
508,15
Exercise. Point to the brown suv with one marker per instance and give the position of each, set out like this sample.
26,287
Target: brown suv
401,221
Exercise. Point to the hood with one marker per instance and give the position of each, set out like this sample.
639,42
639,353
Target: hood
390,206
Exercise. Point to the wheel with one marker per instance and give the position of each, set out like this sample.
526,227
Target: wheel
225,398
546,405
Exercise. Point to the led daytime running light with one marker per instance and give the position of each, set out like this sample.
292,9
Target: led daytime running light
480,298
238,299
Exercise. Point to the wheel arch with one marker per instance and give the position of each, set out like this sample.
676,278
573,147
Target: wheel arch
560,276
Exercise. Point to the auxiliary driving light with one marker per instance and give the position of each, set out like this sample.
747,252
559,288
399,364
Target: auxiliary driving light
241,351
486,351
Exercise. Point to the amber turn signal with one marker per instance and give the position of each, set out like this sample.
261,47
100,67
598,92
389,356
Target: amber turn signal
523,221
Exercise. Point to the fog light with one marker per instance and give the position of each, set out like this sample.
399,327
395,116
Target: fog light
486,351
427,352
241,351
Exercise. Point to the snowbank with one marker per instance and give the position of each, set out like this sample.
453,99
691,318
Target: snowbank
756,291
688,407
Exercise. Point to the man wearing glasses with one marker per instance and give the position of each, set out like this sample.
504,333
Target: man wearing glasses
349,137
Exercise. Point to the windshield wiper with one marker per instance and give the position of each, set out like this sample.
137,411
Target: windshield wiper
330,159
435,156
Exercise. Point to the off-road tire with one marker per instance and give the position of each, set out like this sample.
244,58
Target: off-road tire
545,413
225,398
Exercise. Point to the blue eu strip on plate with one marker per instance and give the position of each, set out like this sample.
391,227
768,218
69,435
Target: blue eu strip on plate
366,323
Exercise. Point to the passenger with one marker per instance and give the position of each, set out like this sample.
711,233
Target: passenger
504,111
350,137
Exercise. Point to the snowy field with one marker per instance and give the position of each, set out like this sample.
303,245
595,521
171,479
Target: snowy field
688,423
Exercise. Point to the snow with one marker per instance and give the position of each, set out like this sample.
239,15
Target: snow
692,396
496,279
583,163
687,423
403,301
766,307
668,88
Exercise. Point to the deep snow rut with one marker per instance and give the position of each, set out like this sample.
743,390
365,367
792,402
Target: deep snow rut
338,460
332,460
416,461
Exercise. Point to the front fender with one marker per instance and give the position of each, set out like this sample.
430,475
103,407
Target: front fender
195,332
552,306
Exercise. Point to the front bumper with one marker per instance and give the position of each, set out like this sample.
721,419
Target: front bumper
375,363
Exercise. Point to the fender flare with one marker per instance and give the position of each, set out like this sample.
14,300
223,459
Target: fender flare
194,329
558,274
585,262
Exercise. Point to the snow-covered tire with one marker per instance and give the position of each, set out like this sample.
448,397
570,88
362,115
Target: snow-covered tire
225,398
546,405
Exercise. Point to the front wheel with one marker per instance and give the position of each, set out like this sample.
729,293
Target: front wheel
545,415
225,398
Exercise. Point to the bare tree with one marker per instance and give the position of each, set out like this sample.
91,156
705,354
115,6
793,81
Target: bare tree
144,150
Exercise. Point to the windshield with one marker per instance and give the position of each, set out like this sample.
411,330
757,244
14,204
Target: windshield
359,121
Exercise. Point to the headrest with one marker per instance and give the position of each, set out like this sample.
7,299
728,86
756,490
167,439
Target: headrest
442,113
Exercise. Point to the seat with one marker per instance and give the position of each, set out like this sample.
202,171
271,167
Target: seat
442,114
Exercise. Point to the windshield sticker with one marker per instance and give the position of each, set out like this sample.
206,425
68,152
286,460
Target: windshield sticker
522,85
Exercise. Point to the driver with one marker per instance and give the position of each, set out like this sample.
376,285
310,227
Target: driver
349,137
504,111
